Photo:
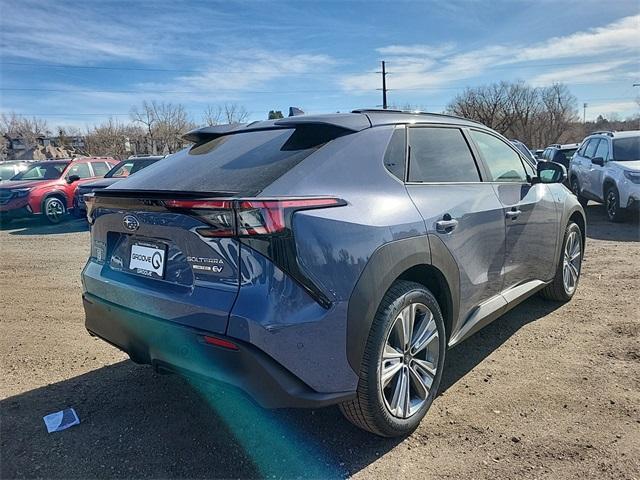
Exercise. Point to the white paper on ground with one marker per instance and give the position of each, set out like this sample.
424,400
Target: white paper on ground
61,420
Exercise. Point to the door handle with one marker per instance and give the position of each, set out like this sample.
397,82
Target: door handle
513,213
446,225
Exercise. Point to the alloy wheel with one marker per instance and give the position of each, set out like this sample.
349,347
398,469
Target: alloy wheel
409,361
571,262
612,204
54,210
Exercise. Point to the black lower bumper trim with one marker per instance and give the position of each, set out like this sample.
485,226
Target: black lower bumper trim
176,348
22,212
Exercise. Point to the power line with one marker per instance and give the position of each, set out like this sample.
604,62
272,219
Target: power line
270,92
181,70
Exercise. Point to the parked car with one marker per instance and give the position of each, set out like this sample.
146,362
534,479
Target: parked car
560,153
328,259
525,151
538,153
606,169
122,170
47,188
10,168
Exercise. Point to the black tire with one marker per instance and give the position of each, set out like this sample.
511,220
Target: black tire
368,410
575,188
557,290
612,205
54,209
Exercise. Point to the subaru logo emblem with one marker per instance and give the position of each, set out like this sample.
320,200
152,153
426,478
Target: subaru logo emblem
131,223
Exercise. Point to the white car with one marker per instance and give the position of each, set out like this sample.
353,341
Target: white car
606,169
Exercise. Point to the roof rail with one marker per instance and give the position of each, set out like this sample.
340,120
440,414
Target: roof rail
413,112
603,132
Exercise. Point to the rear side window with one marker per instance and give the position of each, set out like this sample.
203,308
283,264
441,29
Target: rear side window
440,155
503,162
242,163
394,157
100,168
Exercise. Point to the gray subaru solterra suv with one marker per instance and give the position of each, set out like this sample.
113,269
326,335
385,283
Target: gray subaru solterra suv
328,259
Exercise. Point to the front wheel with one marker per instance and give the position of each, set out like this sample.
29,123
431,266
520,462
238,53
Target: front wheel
612,204
402,363
54,209
565,282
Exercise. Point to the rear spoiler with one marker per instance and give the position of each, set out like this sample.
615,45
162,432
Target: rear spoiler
349,122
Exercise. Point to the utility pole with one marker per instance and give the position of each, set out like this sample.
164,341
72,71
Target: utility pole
584,113
384,85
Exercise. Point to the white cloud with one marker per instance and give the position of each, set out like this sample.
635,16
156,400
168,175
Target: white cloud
620,109
426,66
251,68
423,50
619,37
594,73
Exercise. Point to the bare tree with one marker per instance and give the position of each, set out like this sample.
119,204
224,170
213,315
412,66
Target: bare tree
107,139
537,116
26,129
228,113
164,124
146,117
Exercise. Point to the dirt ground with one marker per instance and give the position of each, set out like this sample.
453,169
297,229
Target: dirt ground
547,391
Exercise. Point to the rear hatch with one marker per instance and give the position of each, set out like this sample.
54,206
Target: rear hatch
166,242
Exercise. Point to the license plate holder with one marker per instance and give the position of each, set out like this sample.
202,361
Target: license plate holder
148,259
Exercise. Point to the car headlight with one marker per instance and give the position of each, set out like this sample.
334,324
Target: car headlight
21,192
633,177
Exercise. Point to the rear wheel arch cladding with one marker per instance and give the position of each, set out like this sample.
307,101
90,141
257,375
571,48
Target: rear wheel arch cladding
387,264
578,218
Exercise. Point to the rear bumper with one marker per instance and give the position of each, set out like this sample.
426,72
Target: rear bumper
176,348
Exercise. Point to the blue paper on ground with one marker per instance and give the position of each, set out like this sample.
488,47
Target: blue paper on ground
61,420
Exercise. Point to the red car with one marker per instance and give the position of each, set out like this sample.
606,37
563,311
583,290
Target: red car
48,187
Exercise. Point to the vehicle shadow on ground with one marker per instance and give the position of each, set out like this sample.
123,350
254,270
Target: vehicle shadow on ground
34,226
600,228
135,423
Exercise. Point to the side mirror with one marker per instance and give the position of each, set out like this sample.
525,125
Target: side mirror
72,178
598,161
550,172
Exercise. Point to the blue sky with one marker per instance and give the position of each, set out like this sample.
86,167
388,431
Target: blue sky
320,56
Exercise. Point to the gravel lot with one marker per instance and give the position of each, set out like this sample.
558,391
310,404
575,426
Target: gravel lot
547,391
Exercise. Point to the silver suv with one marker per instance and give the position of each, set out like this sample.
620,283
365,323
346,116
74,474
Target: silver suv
606,169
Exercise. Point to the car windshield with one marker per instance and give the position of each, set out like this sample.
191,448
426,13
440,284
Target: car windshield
121,170
626,149
42,171
568,152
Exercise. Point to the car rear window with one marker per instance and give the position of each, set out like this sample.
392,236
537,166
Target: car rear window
242,163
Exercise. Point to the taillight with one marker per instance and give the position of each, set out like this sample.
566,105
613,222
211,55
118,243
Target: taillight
247,218
219,214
